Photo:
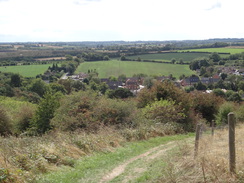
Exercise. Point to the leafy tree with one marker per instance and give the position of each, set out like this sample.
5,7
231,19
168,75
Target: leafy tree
215,57
181,61
241,85
67,83
69,57
194,65
78,85
55,87
119,93
15,80
122,78
103,87
233,96
112,78
38,86
200,86
148,82
219,92
173,60
206,104
198,63
122,58
45,112
106,57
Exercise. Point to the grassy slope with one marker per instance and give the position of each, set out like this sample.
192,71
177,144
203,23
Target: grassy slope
116,68
219,50
91,169
176,165
26,70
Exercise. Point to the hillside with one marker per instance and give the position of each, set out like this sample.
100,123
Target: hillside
172,161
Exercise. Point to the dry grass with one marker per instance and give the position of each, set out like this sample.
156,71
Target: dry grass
22,159
212,162
26,157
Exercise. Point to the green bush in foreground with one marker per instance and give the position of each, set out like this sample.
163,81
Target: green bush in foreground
224,110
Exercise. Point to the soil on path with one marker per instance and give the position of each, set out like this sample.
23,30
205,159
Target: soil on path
147,156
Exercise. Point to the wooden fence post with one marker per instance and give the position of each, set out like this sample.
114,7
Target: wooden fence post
232,153
212,127
198,129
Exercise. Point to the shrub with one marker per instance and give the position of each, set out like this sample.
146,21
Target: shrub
75,111
206,104
114,112
5,125
89,111
240,113
224,110
164,111
23,118
45,112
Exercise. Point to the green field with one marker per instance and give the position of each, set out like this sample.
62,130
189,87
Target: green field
218,50
187,57
26,70
116,68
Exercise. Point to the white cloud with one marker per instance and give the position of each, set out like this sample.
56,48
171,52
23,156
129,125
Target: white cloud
78,20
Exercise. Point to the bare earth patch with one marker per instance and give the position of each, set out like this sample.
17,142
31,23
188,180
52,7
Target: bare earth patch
149,155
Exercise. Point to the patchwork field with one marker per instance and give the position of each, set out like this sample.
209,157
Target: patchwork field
26,70
218,50
186,57
116,68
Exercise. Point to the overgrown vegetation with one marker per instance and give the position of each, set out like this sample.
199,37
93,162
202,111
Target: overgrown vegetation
44,126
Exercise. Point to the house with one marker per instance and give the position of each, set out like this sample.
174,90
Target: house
214,79
132,84
205,81
113,85
190,81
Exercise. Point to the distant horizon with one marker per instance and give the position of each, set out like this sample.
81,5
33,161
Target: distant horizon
128,20
122,40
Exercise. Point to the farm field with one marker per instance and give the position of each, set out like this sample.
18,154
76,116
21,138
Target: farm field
187,57
26,70
218,50
116,68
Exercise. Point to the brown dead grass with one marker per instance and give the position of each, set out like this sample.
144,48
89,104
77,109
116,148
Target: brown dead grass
26,157
212,162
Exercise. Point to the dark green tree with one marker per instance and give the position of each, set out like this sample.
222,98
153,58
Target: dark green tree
15,80
38,86
45,112
215,57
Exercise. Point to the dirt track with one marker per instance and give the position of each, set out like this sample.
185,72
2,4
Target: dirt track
147,156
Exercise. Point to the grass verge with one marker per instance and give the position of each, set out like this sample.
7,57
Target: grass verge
91,169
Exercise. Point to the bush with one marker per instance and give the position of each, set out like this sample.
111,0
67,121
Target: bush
5,126
75,111
206,105
114,112
23,118
240,113
45,112
224,110
87,110
164,111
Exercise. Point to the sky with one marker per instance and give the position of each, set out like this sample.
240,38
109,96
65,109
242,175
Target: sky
115,20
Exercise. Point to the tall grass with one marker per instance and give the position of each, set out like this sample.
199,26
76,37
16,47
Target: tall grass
24,159
211,164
